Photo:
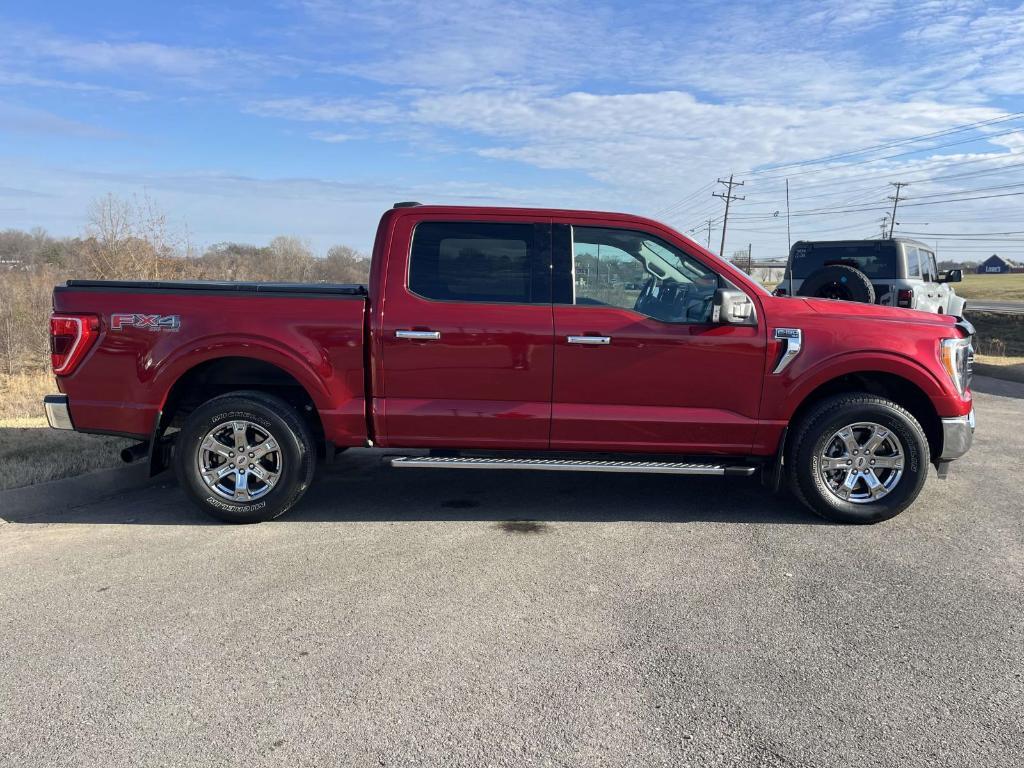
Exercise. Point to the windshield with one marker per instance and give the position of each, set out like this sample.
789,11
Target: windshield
876,260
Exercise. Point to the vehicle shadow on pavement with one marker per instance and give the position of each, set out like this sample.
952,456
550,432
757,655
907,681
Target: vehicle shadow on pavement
362,487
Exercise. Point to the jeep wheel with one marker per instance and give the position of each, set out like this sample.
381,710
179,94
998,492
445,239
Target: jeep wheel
245,457
838,281
858,458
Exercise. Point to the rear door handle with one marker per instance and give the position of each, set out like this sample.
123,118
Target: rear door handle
595,340
418,335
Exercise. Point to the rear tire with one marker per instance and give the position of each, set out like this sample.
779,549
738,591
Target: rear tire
857,458
245,457
839,281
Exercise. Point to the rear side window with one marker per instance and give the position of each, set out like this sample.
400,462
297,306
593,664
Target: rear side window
876,260
913,261
474,261
928,268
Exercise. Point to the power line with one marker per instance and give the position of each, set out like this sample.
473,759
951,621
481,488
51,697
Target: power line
889,145
986,137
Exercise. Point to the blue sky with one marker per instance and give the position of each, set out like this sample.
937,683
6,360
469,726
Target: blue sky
307,117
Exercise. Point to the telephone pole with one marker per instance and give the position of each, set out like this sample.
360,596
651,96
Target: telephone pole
728,196
789,237
709,234
750,257
895,201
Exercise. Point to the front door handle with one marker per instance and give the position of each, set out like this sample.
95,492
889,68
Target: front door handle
595,340
418,335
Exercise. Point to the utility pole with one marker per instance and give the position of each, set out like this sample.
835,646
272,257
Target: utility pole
709,234
728,196
895,201
789,237
884,223
750,258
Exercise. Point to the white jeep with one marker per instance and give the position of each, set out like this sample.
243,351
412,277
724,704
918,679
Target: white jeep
897,272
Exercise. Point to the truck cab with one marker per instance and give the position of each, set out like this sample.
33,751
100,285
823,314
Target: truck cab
522,339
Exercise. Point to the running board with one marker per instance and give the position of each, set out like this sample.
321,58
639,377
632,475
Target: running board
573,465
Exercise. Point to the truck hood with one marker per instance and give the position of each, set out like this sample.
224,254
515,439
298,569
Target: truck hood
852,309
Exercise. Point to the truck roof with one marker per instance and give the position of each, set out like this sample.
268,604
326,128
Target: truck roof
471,210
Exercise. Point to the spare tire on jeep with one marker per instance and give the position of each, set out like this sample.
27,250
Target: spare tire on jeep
838,281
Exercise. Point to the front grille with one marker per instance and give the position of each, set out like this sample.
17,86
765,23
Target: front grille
967,366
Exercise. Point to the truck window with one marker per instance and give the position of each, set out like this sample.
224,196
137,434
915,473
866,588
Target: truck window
928,268
913,261
473,261
876,260
637,271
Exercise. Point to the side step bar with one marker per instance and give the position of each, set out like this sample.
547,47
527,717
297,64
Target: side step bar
573,465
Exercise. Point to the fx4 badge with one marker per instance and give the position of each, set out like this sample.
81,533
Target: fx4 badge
121,320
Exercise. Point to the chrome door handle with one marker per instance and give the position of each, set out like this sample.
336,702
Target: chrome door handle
418,335
596,340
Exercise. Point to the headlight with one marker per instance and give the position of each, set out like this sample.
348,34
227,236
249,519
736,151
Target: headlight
957,357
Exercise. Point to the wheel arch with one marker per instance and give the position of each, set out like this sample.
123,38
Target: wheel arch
900,389
230,373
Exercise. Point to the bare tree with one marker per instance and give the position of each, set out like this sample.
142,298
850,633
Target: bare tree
345,265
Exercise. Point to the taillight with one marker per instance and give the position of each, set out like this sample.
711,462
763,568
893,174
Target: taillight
904,297
71,336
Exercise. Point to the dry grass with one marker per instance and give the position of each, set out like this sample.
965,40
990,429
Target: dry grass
995,360
31,452
992,287
21,394
998,335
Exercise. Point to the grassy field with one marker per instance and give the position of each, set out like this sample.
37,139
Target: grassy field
31,452
992,287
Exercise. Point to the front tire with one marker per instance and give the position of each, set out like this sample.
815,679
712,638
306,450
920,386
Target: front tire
245,457
857,458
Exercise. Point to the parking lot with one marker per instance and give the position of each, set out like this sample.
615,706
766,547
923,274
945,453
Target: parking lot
427,617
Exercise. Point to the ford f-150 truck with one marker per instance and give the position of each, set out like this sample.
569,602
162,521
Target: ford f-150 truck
524,339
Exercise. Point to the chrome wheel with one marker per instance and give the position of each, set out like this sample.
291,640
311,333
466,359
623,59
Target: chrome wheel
239,461
861,462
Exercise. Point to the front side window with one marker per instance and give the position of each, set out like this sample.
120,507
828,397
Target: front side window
473,261
637,271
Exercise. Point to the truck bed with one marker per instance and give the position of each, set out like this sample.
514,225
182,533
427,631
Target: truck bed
154,334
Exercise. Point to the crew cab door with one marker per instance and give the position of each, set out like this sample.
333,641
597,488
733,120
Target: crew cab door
639,364
466,332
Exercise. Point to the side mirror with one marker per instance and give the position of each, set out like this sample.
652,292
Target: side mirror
733,307
951,276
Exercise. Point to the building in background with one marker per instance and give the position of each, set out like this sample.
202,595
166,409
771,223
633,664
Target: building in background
997,265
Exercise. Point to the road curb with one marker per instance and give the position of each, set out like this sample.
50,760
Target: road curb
1005,372
18,504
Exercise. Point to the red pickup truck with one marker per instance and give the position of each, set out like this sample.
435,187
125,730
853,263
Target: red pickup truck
525,339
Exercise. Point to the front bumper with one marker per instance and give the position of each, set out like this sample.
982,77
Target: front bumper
957,436
57,413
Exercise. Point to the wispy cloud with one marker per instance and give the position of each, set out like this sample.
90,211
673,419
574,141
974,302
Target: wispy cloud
606,104
15,118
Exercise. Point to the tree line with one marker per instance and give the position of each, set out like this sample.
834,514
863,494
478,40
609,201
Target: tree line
131,240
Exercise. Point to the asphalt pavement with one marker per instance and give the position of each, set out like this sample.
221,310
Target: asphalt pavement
997,307
446,618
